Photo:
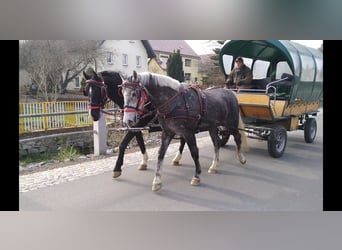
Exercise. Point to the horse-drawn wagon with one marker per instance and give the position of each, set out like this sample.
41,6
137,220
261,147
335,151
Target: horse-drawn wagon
287,89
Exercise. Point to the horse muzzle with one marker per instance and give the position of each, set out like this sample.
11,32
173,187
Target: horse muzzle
95,114
129,123
129,119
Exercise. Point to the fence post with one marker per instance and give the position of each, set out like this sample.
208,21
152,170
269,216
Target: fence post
100,135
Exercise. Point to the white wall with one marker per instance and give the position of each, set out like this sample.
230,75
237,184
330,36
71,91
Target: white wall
132,48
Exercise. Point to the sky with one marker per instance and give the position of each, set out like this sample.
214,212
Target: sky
202,47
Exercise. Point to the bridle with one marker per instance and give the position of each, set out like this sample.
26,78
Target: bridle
103,93
142,96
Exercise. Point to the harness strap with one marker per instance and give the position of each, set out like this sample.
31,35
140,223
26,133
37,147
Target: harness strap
187,113
202,99
180,91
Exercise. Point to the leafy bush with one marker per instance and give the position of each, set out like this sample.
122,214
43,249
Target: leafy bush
69,152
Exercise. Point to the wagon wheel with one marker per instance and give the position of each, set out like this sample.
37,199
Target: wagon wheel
310,129
223,135
277,141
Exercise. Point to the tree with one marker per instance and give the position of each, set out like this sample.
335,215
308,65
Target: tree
174,66
52,65
213,71
217,51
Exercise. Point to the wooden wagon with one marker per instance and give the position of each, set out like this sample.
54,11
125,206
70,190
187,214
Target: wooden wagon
287,89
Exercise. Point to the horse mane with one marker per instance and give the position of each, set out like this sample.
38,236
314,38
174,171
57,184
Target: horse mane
111,77
160,80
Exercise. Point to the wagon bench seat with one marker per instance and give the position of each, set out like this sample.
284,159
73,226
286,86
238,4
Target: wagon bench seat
257,105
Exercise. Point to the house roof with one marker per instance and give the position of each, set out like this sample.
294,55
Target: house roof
149,49
170,46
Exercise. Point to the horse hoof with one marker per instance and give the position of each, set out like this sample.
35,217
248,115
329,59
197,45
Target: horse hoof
195,181
175,163
212,171
242,159
142,167
156,187
116,174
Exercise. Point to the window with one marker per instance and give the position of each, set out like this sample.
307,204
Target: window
187,76
260,69
110,58
77,82
138,61
248,61
308,68
319,75
124,59
283,67
163,59
187,63
227,63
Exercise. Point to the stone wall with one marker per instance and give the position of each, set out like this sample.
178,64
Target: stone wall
83,141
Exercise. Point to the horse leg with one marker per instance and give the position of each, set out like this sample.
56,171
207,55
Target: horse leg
178,157
141,143
165,141
237,139
215,139
191,141
122,147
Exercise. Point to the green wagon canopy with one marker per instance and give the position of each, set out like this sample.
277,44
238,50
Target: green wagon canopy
306,64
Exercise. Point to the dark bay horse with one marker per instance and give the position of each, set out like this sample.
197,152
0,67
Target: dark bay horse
183,110
103,85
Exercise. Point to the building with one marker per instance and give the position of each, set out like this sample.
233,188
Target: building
121,55
163,48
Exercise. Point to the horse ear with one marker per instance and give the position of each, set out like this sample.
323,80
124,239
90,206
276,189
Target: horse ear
123,77
85,75
135,75
95,75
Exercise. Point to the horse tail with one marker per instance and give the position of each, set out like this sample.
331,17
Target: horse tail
244,146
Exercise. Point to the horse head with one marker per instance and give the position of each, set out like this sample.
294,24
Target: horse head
96,90
135,98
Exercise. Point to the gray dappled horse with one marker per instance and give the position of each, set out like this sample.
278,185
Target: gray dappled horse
184,110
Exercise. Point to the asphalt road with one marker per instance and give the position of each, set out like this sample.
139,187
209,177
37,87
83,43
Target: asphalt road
293,182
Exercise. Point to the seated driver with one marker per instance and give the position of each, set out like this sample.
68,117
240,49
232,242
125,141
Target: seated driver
241,76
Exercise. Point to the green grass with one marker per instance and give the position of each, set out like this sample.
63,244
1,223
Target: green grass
69,152
35,158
